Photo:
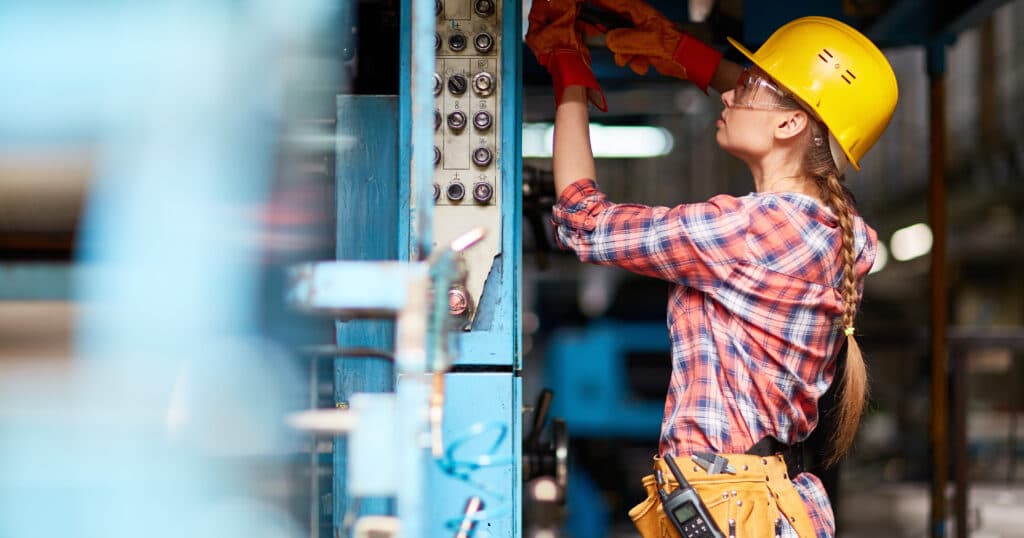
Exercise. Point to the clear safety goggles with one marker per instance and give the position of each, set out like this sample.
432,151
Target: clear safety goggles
756,91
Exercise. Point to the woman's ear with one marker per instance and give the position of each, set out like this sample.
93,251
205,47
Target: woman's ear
791,124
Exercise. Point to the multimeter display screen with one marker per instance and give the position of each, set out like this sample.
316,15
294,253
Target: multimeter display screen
684,512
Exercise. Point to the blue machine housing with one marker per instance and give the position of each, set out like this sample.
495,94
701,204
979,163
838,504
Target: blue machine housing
587,370
482,414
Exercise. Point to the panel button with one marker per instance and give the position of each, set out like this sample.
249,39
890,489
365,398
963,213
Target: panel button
483,83
483,42
482,120
482,156
482,192
484,8
457,120
457,42
455,191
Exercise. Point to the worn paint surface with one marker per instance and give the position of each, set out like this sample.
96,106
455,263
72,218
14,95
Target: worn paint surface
366,179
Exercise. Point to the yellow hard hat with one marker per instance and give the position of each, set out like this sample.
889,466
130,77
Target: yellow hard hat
838,73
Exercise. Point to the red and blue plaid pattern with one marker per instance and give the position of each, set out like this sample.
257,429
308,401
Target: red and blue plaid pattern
752,317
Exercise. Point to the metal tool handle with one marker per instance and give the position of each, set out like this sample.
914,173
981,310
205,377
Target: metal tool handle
540,416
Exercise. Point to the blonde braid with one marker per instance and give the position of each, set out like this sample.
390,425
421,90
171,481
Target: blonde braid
819,164
840,205
854,389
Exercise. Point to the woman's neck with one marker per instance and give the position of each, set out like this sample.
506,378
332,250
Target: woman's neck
782,178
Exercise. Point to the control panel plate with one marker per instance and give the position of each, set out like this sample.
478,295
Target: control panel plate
467,152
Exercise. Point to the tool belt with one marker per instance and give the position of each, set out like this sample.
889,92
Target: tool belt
793,454
750,503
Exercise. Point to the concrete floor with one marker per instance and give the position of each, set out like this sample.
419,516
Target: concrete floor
901,510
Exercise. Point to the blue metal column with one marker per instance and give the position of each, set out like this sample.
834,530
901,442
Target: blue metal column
366,175
482,432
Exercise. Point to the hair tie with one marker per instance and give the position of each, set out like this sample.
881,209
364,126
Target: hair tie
848,331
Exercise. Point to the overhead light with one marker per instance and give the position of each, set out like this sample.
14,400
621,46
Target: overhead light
881,258
536,140
607,141
911,242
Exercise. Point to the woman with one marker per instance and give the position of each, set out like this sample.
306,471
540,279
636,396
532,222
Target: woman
766,285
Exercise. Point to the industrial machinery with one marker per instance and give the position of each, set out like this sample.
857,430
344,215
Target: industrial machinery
617,393
476,183
452,131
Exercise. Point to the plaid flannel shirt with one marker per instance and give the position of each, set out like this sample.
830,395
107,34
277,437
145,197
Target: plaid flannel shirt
752,314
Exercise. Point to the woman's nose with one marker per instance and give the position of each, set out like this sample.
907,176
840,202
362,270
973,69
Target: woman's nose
727,98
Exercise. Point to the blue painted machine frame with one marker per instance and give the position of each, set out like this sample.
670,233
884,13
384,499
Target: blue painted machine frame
482,410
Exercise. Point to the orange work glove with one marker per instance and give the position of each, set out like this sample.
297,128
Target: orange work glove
656,41
557,42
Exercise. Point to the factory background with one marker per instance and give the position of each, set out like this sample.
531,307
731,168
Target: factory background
286,270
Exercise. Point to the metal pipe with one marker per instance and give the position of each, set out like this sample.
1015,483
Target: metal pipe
413,394
329,351
959,368
421,89
937,285
314,458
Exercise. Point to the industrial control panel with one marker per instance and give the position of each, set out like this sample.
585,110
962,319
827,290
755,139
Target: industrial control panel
468,89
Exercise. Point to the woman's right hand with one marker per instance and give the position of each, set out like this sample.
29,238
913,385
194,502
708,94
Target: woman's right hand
558,44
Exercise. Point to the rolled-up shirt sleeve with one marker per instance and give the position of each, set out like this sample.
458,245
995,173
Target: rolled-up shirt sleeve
691,244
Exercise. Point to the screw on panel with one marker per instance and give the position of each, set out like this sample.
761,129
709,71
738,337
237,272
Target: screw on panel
457,84
437,119
458,303
437,84
437,157
437,190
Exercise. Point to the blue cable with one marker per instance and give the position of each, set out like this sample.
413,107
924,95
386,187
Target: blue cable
462,468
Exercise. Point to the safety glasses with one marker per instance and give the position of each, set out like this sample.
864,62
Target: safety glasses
754,90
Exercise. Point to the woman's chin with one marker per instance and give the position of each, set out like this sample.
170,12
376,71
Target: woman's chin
724,144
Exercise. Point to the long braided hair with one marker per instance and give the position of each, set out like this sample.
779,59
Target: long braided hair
819,164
